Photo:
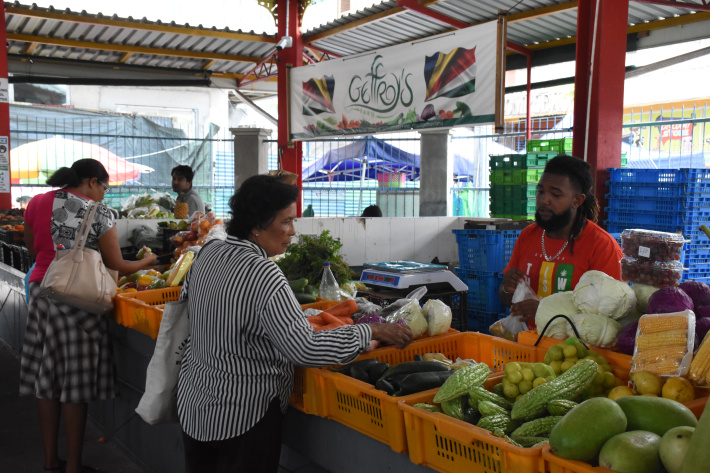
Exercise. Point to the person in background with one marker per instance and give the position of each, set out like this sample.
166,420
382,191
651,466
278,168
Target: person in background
564,242
372,211
187,196
247,331
66,358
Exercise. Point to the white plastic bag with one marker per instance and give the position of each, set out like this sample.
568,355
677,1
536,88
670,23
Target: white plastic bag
508,327
523,292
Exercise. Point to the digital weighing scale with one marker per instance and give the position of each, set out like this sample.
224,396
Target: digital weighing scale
405,274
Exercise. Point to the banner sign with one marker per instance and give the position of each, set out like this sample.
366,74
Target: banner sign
439,82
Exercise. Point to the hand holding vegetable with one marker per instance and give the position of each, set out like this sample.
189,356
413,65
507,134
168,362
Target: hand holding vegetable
399,335
526,308
149,258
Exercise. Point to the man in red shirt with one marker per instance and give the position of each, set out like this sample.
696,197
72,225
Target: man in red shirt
564,242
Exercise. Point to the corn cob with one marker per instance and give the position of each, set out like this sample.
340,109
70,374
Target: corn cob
656,354
665,367
701,363
662,323
659,339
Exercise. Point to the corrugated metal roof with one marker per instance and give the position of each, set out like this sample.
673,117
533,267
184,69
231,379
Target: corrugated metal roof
35,32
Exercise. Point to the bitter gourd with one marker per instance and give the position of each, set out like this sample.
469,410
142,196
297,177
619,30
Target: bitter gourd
560,407
493,423
537,427
482,394
529,442
428,407
462,381
487,408
454,407
568,385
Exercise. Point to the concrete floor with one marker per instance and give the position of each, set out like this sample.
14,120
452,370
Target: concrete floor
21,446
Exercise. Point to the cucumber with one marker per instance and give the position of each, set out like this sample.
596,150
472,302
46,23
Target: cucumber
298,285
304,298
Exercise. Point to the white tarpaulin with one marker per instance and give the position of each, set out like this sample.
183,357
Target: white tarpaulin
439,82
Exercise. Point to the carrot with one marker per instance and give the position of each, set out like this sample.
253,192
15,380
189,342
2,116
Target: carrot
346,319
345,308
327,327
316,320
331,319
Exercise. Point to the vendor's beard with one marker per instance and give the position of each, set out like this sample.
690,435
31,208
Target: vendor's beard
556,222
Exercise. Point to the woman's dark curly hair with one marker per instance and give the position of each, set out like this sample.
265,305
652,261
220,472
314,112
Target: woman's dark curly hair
256,203
580,176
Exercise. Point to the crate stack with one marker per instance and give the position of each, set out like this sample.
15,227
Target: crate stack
483,254
514,178
665,200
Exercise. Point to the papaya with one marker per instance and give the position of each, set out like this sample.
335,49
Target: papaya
655,414
584,430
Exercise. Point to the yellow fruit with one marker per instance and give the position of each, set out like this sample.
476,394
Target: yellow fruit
181,210
569,351
524,386
528,374
647,382
620,391
566,365
538,382
556,353
145,280
515,377
556,367
679,389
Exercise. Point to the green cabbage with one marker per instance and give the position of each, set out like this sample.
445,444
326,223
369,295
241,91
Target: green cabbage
594,329
643,292
599,293
438,316
550,306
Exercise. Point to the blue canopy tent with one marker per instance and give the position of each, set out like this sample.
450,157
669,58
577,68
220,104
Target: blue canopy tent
370,158
375,157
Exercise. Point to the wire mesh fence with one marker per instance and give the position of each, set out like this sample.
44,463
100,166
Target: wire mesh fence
341,177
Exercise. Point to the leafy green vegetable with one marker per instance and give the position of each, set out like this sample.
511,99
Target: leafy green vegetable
305,259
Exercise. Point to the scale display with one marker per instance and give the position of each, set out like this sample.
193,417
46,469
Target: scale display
405,274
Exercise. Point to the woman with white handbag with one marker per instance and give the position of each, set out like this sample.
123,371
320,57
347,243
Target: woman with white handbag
66,355
247,331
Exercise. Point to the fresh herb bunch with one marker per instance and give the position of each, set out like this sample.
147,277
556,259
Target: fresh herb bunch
305,259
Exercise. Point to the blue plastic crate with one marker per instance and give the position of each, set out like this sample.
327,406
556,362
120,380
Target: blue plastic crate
638,219
480,320
649,204
689,192
485,250
660,176
482,289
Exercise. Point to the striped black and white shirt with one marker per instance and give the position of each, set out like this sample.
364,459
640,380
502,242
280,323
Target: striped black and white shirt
247,333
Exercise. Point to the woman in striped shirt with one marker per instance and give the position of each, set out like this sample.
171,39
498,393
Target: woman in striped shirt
247,333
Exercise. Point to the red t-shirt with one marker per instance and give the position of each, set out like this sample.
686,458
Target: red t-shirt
38,215
594,249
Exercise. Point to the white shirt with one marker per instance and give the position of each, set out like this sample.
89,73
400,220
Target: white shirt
247,333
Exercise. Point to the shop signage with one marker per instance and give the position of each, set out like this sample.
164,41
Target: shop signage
439,82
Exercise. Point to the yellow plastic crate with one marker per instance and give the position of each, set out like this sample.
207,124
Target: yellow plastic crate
450,445
373,412
554,464
143,311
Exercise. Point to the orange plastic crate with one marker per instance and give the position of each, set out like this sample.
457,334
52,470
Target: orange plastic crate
554,464
529,338
143,311
373,412
450,445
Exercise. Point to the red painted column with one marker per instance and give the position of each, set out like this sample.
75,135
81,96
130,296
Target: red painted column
291,154
598,117
5,195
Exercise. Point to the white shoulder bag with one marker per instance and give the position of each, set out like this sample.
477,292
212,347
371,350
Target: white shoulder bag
78,276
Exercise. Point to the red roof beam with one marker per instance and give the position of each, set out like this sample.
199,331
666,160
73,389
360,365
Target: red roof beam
259,68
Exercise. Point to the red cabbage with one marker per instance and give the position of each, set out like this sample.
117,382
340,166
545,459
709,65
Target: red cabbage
698,291
401,321
626,339
669,299
702,326
702,312
371,319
